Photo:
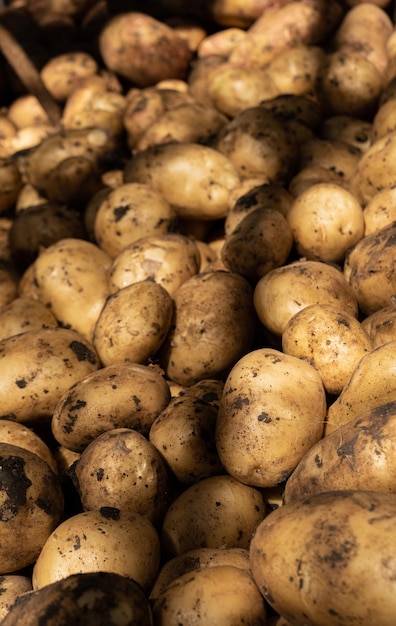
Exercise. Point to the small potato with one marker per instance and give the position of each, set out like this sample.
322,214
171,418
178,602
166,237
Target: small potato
384,120
26,110
380,211
337,156
313,557
129,212
195,179
61,74
12,586
325,221
284,291
272,411
215,512
375,170
124,395
295,70
349,129
169,259
328,338
220,42
24,437
311,175
133,323
381,325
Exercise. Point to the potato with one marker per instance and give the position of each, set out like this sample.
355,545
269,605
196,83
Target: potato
32,506
92,541
97,598
213,326
370,385
209,390
195,179
215,512
310,175
369,269
37,366
337,156
380,211
380,326
24,437
168,258
9,283
184,435
325,221
328,338
272,411
10,184
295,69
220,42
313,557
193,598
349,129
300,114
384,121
260,242
71,276
124,395
133,323
315,282
62,73
375,170
122,469
151,50
129,212
12,586
350,457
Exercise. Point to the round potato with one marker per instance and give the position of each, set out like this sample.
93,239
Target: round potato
23,314
381,325
24,437
62,73
380,211
12,586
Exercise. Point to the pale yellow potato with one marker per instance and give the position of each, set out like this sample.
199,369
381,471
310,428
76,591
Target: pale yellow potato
84,95
325,220
131,211
124,395
133,323
328,338
26,110
381,325
61,73
220,42
190,30
108,541
199,77
12,586
168,258
25,437
284,291
371,384
295,70
376,169
71,275
380,211
272,411
337,156
195,179
311,175
28,197
384,120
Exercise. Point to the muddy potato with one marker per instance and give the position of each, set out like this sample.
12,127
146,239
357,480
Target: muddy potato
133,323
10,184
72,279
123,470
98,598
375,170
169,259
209,390
315,282
129,212
369,269
370,384
107,540
62,73
312,175
193,598
32,506
213,326
350,457
184,435
272,411
124,395
220,42
195,179
328,338
312,557
381,325
295,69
299,112
24,437
37,366
215,512
347,128
336,156
12,586
380,211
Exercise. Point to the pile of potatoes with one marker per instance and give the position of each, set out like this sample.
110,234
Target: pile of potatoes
198,313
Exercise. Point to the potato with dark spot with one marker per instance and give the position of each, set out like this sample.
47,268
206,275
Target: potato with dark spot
32,504
12,586
380,326
24,437
327,559
24,314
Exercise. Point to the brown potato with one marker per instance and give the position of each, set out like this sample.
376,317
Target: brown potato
337,156
349,129
12,587
61,73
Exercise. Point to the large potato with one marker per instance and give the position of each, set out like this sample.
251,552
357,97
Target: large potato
327,559
272,411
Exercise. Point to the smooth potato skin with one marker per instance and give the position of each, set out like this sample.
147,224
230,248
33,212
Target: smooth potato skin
326,559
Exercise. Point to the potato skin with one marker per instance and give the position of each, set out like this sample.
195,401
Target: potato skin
324,559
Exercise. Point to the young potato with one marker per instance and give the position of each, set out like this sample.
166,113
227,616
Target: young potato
337,156
300,113
328,338
310,175
124,395
26,110
32,506
295,70
215,512
384,121
325,221
37,366
168,258
272,411
193,598
315,282
213,326
12,587
381,325
369,269
349,129
184,435
210,390
375,170
24,437
121,469
133,323
220,42
350,457
129,212
10,184
195,179
62,73
313,559
72,279
370,385
380,211
92,541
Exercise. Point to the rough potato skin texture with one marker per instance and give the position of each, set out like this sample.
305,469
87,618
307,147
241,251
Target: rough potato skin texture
328,559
